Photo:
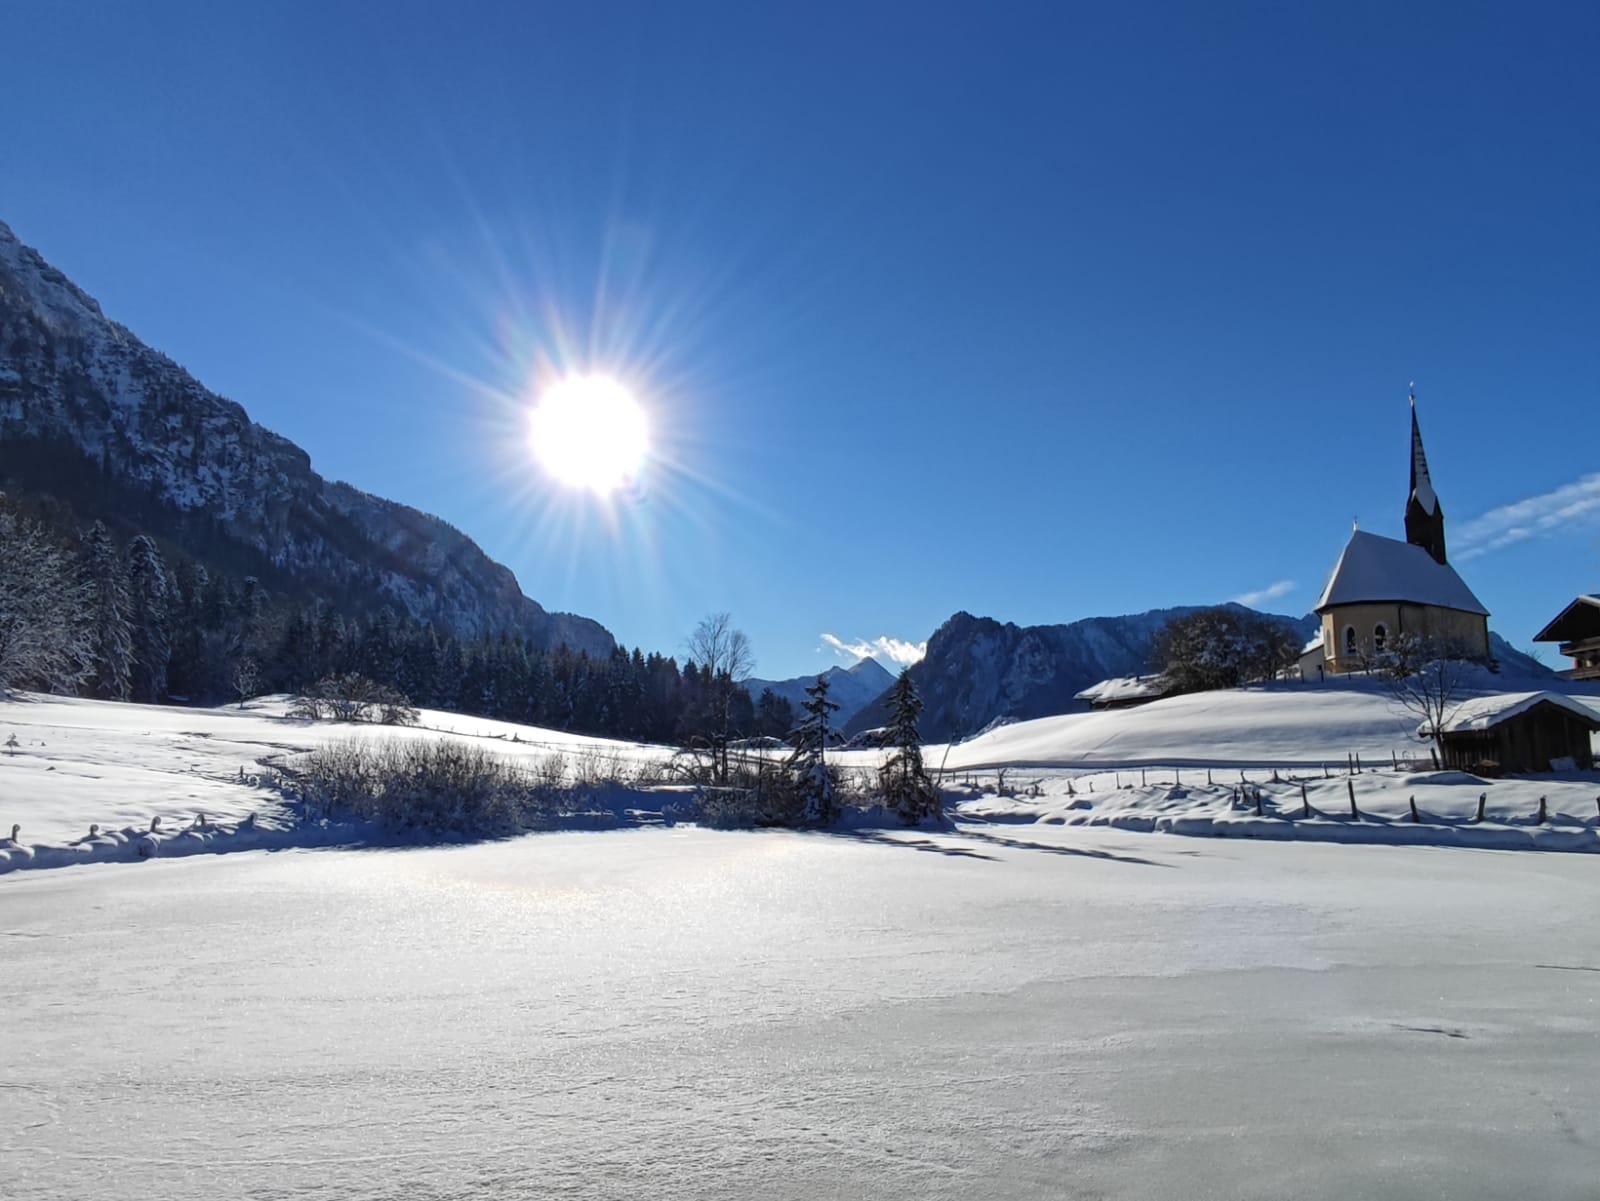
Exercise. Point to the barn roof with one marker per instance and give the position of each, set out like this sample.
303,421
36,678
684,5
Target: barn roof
1125,688
1580,619
1374,568
1486,712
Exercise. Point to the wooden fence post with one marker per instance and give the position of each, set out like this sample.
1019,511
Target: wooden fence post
1141,778
1351,785
1208,785
1305,803
1258,802
1482,797
1414,816
1542,812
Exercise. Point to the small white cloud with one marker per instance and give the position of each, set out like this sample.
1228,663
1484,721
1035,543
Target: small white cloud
896,650
1529,518
1261,595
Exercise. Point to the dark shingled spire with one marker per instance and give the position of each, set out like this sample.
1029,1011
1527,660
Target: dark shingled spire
1424,516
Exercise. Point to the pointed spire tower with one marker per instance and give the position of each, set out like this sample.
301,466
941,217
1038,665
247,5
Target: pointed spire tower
1424,517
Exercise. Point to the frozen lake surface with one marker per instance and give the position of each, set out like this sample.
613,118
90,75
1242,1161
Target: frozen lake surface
1013,1011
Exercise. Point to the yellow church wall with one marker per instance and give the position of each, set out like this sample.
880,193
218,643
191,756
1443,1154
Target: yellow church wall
1447,625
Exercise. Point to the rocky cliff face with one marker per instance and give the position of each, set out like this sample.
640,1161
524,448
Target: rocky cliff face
978,670
72,380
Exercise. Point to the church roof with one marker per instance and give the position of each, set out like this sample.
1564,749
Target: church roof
1376,569
1421,483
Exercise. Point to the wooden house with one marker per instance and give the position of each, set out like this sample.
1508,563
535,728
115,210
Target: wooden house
1577,629
1519,732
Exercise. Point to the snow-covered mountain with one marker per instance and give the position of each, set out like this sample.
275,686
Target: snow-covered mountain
853,688
92,415
978,670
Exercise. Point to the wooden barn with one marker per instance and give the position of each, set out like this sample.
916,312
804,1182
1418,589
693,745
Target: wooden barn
1520,732
1125,692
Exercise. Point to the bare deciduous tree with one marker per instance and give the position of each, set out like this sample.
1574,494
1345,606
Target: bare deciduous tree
246,678
724,654
1427,678
717,645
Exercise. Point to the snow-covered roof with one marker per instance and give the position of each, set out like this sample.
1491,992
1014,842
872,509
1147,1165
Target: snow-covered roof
1126,688
1570,624
1314,645
1375,568
1486,712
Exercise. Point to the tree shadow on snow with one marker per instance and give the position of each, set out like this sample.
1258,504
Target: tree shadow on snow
1050,848
885,838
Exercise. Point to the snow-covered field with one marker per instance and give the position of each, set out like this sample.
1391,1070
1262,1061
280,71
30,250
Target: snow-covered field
79,763
1015,1012
1187,765
1045,1001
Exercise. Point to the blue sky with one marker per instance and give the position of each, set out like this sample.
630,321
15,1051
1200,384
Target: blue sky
1040,312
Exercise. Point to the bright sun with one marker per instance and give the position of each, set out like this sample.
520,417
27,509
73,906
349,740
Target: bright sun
589,432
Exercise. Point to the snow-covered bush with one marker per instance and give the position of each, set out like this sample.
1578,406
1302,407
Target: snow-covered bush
452,788
354,697
430,788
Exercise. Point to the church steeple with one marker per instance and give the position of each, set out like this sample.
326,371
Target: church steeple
1424,517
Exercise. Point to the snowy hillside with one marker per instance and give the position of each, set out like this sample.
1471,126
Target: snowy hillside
77,763
1289,724
94,416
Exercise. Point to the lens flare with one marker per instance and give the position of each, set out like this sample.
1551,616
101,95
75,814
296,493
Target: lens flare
587,431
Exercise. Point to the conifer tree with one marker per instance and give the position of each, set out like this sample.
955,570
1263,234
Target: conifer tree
903,780
774,715
813,780
43,640
105,590
149,619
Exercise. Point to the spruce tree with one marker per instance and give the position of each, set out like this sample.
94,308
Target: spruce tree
150,603
105,588
43,639
813,781
774,715
903,779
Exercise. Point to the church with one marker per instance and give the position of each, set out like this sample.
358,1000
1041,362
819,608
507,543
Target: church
1382,588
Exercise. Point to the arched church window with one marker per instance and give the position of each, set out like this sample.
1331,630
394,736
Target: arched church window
1380,637
1350,640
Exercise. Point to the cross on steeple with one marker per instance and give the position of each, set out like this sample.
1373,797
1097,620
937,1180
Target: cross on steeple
1424,516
